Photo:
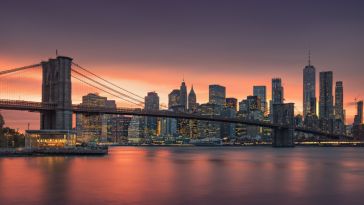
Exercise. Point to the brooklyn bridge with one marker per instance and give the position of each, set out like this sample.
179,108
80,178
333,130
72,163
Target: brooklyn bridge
56,107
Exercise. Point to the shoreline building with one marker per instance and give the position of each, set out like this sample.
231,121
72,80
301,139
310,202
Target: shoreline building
151,103
229,110
94,127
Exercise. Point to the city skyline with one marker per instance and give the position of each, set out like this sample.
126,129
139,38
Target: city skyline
226,49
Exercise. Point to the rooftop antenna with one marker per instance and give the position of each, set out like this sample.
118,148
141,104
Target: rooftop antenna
56,52
309,57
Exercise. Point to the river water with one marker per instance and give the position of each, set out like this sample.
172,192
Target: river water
188,175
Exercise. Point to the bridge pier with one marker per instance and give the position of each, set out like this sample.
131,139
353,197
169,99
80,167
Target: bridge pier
56,88
283,114
283,137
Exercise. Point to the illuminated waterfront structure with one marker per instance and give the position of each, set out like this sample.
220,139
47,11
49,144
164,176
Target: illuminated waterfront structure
93,127
118,129
250,108
209,129
169,127
151,103
136,131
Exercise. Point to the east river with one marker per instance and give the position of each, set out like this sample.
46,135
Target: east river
188,175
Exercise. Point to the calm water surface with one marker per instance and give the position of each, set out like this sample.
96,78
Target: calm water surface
193,175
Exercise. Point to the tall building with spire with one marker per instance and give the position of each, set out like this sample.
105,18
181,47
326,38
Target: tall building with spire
309,88
183,95
192,102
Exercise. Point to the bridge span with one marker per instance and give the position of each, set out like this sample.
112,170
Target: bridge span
41,107
56,107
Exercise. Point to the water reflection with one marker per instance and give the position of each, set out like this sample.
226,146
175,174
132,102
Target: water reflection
189,175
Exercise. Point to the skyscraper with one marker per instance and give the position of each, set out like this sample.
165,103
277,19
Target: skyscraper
173,99
94,127
326,97
326,111
217,94
339,101
309,89
192,102
151,103
358,120
183,96
261,92
277,91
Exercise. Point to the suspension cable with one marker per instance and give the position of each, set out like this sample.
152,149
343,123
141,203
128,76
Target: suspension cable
18,69
105,91
103,79
107,87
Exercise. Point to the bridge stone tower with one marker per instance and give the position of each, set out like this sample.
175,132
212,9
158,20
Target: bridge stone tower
283,114
56,89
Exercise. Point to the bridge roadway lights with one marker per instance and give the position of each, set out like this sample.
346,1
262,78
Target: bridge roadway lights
283,137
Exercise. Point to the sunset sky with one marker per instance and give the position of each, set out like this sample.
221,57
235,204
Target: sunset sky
152,45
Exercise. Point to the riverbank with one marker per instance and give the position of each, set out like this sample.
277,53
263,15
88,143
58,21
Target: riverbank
86,151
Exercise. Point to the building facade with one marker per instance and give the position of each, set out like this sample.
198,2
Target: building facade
217,95
192,101
151,103
94,127
309,90
261,92
326,106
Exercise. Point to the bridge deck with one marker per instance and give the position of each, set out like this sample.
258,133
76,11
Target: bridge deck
40,107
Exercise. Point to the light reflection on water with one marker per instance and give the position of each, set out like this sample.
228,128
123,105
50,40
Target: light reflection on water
188,175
